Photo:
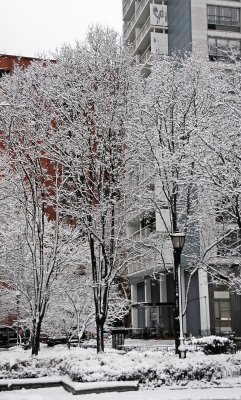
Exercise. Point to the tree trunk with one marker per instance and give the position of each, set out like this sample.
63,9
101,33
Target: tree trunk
81,333
35,338
100,335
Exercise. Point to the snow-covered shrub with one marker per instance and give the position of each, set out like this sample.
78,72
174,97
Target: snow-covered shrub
17,369
214,344
149,368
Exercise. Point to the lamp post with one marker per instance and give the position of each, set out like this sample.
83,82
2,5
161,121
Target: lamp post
178,240
18,295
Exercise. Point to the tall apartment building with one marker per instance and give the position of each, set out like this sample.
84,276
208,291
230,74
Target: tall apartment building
211,27
166,25
145,26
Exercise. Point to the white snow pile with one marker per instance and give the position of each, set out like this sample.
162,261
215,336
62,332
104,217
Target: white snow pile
150,368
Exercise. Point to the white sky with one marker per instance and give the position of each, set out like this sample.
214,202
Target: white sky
34,27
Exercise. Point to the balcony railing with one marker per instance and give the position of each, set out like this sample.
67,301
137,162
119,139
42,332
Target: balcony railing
145,232
143,32
129,26
135,268
145,57
135,17
141,7
142,265
126,6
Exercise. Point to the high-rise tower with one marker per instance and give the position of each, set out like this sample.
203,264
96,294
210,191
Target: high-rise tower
212,27
209,25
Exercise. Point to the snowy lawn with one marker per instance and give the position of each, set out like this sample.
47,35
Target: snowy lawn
157,394
151,368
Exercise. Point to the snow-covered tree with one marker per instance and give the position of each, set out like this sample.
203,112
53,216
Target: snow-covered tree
84,96
71,310
174,109
65,126
37,243
221,176
91,94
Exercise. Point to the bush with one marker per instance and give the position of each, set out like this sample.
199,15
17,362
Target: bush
150,368
215,344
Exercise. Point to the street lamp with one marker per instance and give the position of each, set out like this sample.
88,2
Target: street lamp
178,240
18,295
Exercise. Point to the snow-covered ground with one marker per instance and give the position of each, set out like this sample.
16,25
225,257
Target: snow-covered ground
157,394
151,368
162,374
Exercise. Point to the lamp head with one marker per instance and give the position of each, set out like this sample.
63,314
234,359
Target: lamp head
178,240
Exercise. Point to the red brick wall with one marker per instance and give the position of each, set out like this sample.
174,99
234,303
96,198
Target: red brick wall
7,62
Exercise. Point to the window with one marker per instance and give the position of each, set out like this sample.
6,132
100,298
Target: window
222,312
220,48
154,321
12,333
225,211
155,291
166,319
140,287
224,18
4,72
230,245
148,223
144,226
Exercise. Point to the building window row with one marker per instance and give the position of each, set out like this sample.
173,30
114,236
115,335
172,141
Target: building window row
224,18
221,48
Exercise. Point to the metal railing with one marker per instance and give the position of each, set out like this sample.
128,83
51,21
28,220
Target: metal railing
140,8
135,17
130,25
145,56
126,6
144,232
143,32
162,347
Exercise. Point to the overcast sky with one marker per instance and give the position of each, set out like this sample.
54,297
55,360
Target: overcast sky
34,27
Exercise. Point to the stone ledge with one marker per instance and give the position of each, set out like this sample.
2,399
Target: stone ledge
29,383
99,387
70,386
